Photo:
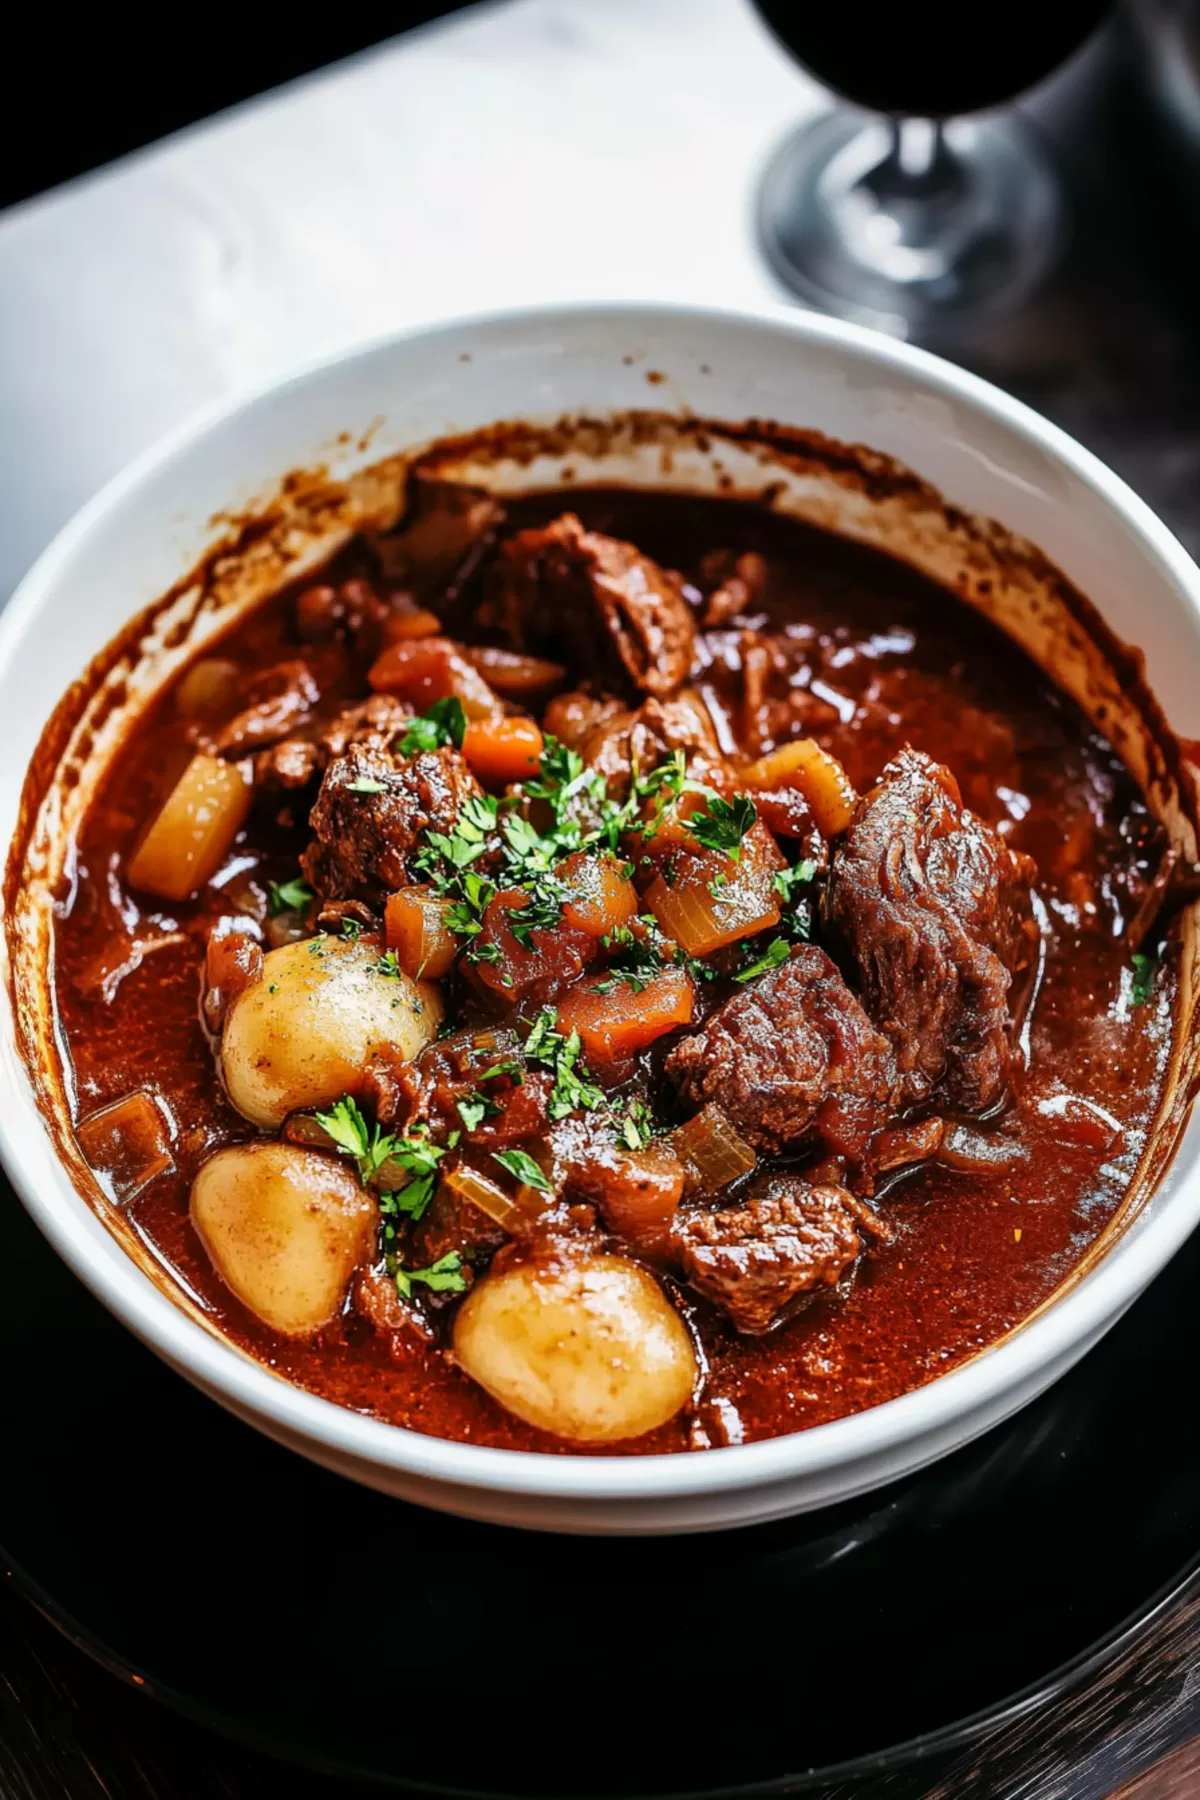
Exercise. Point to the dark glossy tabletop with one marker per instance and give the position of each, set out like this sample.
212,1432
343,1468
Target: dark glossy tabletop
1112,353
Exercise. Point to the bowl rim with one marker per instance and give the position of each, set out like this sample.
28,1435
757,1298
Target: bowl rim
977,1387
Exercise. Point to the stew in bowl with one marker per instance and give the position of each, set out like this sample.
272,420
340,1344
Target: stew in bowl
624,971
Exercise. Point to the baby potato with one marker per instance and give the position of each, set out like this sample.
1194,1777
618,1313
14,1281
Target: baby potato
285,1228
304,1034
589,1349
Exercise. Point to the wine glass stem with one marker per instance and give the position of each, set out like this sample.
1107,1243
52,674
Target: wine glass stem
916,147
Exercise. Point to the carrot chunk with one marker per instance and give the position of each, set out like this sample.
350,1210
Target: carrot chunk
614,1019
503,750
416,929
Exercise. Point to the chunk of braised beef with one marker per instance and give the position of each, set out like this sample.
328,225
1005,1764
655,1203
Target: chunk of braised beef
645,736
792,1058
370,814
447,531
353,609
637,1192
287,768
298,762
755,1260
597,601
935,909
376,1298
278,700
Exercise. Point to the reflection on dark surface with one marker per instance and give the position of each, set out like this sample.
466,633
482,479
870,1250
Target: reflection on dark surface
304,1609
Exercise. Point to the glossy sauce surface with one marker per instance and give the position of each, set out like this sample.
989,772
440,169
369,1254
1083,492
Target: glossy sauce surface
868,657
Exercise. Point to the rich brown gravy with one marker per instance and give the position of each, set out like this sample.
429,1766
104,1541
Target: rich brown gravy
885,658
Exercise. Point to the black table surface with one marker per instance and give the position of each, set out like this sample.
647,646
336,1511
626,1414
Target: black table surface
1110,351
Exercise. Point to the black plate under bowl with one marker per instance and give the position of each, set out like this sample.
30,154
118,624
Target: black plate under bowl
352,1632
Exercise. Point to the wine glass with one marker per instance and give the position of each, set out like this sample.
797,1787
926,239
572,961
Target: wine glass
918,220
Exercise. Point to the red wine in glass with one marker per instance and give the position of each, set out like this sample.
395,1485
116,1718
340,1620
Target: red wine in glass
905,221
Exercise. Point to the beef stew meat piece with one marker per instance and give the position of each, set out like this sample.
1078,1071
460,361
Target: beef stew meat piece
371,812
935,910
793,1060
754,1260
596,601
784,999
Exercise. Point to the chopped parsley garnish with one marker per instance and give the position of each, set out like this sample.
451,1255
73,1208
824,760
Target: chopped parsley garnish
723,826
413,1154
474,1108
776,953
636,1125
444,722
632,959
1145,968
521,1165
288,896
572,1091
792,886
388,965
541,912
475,824
368,1146
366,784
445,1276
352,929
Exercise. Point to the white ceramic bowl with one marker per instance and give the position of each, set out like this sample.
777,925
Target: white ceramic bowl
984,452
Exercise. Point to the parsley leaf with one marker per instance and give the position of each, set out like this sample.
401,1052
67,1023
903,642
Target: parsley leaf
1145,968
636,1127
388,965
632,959
443,1277
724,825
288,896
444,722
572,1091
520,1164
346,1126
541,912
474,1108
366,784
792,886
777,952
369,1146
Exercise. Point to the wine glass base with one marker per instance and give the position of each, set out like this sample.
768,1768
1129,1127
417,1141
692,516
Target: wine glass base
932,262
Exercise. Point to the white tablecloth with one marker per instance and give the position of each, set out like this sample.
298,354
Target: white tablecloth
522,151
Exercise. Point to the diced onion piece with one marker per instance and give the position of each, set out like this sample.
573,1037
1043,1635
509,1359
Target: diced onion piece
819,776
703,918
426,669
614,1020
977,1152
514,676
416,929
517,1214
589,1348
127,1144
416,622
501,750
210,688
192,835
602,897
711,1151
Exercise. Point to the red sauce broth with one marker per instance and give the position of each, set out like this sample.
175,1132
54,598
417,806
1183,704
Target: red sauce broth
879,657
